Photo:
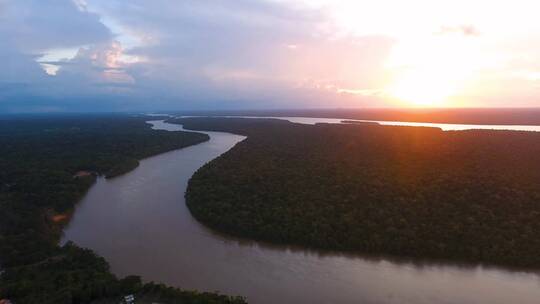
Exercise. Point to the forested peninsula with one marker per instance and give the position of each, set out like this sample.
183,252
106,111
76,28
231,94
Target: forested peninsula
47,164
471,196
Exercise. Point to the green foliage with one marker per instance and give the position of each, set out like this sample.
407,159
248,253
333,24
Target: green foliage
417,192
71,275
39,158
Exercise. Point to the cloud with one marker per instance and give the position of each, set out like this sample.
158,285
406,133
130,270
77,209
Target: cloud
34,25
188,54
242,50
18,67
28,30
361,92
98,64
465,30
201,54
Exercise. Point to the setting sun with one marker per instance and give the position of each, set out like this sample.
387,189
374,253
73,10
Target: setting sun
428,70
423,89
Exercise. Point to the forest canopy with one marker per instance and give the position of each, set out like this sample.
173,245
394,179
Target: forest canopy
47,163
407,191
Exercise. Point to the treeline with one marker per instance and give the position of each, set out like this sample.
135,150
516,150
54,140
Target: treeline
76,275
484,116
40,158
407,191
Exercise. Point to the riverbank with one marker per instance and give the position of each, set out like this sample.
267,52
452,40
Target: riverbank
40,158
135,208
415,192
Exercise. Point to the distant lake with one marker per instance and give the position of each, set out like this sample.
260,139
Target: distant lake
443,126
139,222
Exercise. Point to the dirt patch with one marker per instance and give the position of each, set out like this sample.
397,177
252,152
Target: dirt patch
82,173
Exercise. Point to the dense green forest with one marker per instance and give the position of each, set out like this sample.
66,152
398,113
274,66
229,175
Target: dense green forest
409,191
40,157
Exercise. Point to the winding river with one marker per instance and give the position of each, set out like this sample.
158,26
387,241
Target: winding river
139,222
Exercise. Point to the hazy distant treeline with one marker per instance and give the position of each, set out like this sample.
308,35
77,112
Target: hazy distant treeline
486,116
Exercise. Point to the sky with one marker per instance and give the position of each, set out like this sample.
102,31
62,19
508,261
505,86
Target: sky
117,55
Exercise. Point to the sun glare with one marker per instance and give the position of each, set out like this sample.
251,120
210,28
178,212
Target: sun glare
423,89
428,71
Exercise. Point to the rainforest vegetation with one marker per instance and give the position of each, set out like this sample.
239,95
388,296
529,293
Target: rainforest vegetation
39,185
408,191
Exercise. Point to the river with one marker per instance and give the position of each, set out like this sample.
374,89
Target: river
443,126
139,222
